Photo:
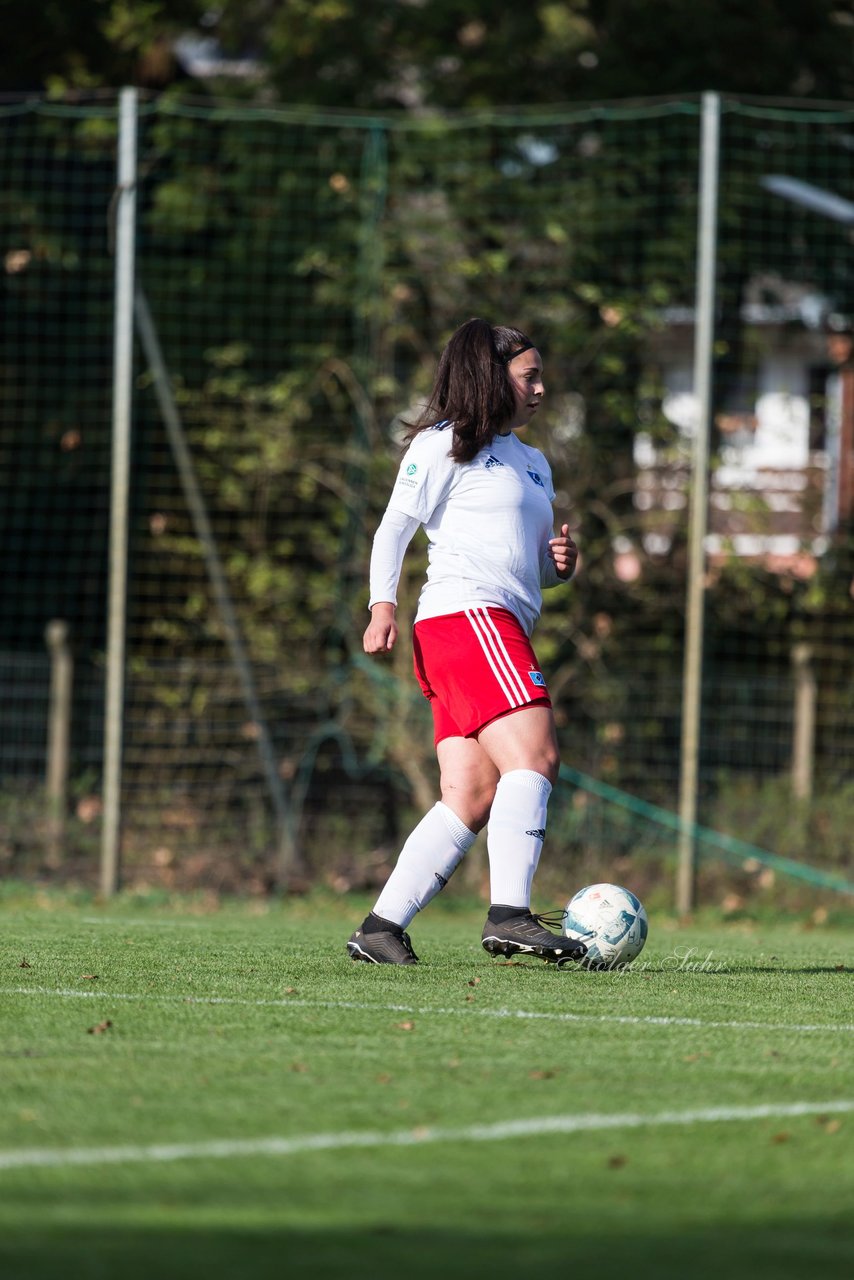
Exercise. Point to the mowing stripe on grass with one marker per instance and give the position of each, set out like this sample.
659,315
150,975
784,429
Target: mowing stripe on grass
630,1020
228,1149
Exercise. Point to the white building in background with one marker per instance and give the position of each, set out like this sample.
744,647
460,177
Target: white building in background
782,478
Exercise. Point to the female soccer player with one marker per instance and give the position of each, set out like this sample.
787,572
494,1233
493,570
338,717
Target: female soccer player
484,499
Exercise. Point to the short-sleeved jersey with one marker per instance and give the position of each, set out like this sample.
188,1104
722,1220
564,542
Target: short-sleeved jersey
488,523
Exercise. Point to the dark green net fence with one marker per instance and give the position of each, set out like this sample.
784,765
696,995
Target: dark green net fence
301,273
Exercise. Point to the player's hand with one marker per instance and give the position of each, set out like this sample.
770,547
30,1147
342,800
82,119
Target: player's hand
381,631
564,552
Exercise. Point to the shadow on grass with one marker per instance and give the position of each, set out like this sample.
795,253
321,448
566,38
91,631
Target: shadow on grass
765,1251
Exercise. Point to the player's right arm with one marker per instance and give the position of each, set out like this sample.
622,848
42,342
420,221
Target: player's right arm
381,631
423,481
390,542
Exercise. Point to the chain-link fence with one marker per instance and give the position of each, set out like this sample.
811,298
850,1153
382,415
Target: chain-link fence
294,278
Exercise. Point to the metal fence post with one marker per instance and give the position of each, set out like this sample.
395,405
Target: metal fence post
125,236
704,333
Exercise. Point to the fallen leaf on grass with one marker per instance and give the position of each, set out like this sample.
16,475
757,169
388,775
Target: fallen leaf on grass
290,991
89,977
542,1075
473,982
405,1026
100,1028
830,1125
384,1078
780,1138
25,964
617,1162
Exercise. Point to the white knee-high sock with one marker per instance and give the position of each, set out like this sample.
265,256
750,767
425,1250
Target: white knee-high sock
517,828
427,861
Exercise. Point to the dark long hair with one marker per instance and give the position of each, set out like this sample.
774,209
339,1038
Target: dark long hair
472,387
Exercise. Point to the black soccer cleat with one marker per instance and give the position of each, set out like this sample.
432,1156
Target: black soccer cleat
383,942
525,934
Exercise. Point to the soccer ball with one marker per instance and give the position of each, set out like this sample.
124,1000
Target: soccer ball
612,923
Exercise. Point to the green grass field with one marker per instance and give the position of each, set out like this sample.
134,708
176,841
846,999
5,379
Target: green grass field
216,1090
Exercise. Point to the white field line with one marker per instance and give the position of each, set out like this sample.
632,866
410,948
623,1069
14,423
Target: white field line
242,1147
629,1020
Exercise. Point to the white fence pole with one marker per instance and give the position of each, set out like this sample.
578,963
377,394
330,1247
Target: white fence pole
704,333
125,237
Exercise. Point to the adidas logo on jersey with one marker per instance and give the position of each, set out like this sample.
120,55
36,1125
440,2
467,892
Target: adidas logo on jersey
492,461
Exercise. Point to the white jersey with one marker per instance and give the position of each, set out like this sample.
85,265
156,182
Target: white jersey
488,522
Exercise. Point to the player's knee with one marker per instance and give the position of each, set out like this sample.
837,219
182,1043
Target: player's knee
471,796
543,761
550,765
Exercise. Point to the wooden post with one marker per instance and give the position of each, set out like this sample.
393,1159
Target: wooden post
845,495
58,735
803,742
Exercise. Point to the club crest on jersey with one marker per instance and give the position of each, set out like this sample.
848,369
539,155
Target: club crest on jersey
492,461
537,479
537,678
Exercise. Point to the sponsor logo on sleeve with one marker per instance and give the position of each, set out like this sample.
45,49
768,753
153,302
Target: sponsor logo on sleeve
407,477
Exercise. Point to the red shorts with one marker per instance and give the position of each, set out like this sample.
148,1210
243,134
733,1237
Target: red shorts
473,667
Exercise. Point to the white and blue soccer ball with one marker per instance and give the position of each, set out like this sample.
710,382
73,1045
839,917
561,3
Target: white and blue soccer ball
612,923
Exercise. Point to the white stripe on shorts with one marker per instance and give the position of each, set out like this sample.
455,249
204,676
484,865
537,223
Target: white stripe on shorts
495,652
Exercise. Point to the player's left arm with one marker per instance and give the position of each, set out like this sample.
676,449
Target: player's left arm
564,553
561,555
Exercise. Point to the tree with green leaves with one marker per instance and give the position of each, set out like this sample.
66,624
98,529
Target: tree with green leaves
423,55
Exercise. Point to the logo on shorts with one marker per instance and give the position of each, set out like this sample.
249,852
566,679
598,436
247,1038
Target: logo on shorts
537,678
537,479
492,461
538,832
